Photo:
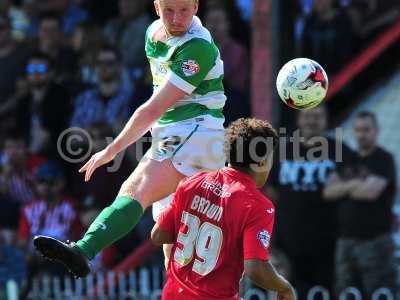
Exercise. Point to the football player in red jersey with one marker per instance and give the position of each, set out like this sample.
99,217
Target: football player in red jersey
220,224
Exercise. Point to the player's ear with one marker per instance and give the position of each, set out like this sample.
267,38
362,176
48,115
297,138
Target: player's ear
157,7
196,9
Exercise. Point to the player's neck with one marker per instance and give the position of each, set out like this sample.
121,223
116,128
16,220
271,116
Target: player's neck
162,35
243,170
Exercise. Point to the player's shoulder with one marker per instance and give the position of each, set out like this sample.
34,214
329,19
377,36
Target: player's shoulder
257,205
198,31
153,27
197,37
255,198
264,200
248,196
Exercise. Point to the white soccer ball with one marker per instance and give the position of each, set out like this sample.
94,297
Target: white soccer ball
302,83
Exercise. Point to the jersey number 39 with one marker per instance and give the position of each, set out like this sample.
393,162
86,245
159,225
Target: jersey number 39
205,240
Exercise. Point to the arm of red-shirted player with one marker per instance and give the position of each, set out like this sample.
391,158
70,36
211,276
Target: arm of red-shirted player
256,243
163,231
160,237
263,274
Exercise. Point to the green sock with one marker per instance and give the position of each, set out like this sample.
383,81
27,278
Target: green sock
111,224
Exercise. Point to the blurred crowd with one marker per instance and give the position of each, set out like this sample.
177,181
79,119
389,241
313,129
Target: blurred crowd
323,25
81,63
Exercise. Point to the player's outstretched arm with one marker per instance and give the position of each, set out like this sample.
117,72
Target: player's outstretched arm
140,122
263,274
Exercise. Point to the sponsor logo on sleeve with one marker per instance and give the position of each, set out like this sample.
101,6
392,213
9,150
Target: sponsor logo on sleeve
190,67
264,237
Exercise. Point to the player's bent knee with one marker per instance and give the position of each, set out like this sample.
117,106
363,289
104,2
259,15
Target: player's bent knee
144,196
136,191
130,189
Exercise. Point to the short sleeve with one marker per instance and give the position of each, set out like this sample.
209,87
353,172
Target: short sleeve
191,63
258,233
389,171
166,220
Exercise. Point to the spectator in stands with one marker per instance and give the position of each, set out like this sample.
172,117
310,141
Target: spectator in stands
51,213
15,179
44,111
324,30
12,266
52,43
67,12
19,21
245,8
13,57
365,249
306,227
101,11
236,64
86,41
235,56
110,100
127,32
239,27
369,17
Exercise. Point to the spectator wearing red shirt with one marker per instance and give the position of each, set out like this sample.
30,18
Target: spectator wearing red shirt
51,212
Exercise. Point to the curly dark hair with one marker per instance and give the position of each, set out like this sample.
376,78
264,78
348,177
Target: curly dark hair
248,141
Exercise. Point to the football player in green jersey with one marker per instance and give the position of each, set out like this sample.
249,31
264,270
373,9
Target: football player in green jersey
185,117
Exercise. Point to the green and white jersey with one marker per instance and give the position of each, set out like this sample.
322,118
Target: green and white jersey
191,62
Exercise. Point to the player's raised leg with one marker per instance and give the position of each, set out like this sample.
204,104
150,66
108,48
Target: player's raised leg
152,180
185,115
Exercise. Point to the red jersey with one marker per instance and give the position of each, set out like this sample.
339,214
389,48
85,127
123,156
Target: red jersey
218,220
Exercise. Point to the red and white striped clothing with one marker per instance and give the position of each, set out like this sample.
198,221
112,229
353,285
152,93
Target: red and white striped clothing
19,187
59,220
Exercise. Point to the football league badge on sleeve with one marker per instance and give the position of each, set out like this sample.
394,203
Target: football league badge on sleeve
190,67
264,237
